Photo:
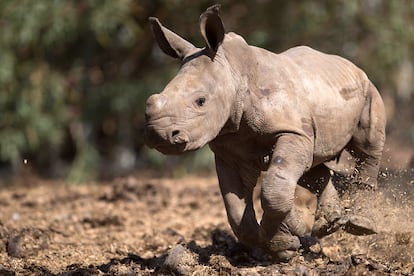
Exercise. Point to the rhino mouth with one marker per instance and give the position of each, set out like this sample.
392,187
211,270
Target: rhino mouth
165,141
171,148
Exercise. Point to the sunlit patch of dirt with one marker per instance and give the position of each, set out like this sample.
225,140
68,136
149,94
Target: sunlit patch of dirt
145,225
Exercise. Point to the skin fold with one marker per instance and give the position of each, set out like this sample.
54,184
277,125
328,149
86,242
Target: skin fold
273,119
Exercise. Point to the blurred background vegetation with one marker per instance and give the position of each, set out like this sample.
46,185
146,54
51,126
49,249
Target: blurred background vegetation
75,74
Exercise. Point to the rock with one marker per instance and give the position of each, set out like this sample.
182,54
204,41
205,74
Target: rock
5,272
333,253
315,248
403,237
310,244
180,261
26,242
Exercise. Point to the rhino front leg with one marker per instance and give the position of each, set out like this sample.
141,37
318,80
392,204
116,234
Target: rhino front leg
281,224
238,200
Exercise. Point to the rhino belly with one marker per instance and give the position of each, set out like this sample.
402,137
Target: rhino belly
333,135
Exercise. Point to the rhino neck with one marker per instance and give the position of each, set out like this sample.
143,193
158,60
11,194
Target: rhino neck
233,49
244,63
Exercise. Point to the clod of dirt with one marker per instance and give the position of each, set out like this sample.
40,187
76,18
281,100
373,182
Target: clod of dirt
131,189
220,264
34,269
5,272
315,248
3,237
303,270
180,261
121,269
361,264
76,269
403,237
333,253
104,221
26,242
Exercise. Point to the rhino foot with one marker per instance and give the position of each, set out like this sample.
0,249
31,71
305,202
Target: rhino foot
323,227
359,219
283,256
353,224
282,247
329,219
360,225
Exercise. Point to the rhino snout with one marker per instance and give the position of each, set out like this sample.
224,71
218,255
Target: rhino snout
154,106
166,140
157,137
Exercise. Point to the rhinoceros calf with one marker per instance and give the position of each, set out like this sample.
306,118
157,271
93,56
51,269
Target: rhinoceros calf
274,118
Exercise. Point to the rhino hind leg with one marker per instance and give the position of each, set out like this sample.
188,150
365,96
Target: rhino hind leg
329,215
333,212
368,141
329,211
366,147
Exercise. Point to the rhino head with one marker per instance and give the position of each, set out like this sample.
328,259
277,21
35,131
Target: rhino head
196,104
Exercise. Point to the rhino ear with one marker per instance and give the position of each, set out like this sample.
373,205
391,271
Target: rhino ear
212,28
169,42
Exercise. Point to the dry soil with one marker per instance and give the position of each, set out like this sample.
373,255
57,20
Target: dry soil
144,225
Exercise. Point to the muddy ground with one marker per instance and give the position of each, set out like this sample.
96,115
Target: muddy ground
143,225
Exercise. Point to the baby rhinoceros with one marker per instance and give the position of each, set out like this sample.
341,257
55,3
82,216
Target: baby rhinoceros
274,118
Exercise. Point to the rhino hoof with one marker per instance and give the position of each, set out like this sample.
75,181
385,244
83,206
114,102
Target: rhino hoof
283,247
323,227
329,219
360,225
283,256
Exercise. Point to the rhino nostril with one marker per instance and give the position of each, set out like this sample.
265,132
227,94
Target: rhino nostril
178,137
175,133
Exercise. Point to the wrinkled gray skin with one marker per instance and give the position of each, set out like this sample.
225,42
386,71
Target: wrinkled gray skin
274,118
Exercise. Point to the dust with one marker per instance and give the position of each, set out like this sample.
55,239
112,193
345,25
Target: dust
144,225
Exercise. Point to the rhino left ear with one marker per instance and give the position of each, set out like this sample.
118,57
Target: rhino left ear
212,28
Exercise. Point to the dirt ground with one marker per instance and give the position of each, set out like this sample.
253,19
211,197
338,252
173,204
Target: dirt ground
144,225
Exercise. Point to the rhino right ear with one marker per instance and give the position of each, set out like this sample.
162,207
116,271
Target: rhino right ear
169,42
212,28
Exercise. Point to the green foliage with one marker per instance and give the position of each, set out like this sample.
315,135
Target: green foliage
33,109
47,47
85,167
91,64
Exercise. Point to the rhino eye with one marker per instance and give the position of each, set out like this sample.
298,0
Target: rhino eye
200,101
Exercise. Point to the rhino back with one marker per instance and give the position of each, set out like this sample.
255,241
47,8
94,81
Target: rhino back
306,92
337,75
336,91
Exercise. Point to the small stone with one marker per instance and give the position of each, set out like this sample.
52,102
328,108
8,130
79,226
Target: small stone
6,272
315,248
319,261
27,242
332,252
403,237
15,216
180,261
301,270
